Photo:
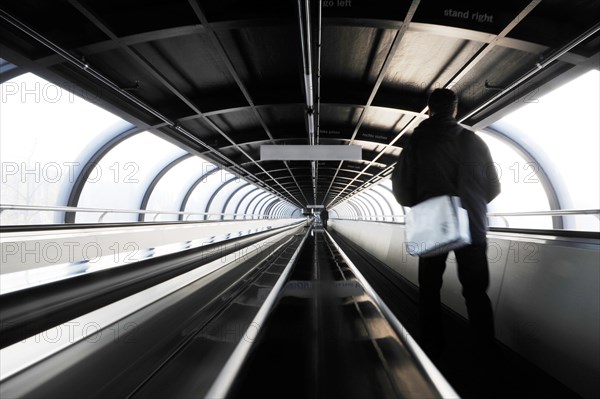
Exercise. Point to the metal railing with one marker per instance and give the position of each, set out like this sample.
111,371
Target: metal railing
561,212
105,211
501,215
238,216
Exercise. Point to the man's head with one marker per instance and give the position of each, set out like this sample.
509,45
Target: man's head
442,101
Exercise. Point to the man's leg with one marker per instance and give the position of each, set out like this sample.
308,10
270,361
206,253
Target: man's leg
474,275
431,270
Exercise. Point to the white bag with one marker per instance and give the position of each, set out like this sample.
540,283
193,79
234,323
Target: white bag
436,226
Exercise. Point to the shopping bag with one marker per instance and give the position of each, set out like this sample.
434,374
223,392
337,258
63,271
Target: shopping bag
436,226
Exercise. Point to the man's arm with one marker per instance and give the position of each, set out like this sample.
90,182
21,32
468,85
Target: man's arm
404,177
489,178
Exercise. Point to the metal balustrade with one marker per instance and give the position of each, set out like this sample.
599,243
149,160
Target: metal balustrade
501,215
237,216
105,211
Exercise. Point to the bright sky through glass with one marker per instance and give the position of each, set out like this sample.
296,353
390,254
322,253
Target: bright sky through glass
45,128
45,122
44,131
564,125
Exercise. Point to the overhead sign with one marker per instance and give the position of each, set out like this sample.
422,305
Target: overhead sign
321,152
315,206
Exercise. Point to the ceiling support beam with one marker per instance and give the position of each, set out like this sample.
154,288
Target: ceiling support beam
305,28
538,67
485,49
318,90
224,26
164,81
225,58
382,74
98,76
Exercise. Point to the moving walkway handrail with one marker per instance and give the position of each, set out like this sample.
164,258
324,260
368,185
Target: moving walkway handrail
118,317
503,215
437,379
62,300
560,212
228,373
105,211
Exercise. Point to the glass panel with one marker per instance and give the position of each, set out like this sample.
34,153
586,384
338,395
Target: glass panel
383,207
289,210
359,207
367,202
396,209
350,211
260,207
562,130
522,190
266,205
47,134
340,211
281,210
235,199
246,201
274,211
169,193
203,192
128,170
255,203
224,193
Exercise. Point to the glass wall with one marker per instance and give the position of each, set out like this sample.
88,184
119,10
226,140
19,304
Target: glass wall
209,191
47,135
50,135
375,203
562,131
547,155
231,205
521,185
125,174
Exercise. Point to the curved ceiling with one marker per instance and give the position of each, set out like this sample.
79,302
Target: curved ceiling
222,78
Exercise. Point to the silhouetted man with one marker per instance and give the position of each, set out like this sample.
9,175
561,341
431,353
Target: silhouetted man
443,158
324,218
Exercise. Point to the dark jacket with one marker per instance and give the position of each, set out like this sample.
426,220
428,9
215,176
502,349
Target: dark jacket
443,158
